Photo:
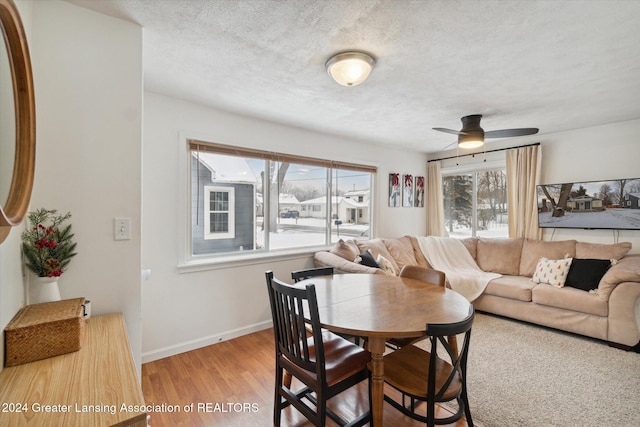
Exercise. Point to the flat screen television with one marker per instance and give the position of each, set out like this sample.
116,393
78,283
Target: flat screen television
612,204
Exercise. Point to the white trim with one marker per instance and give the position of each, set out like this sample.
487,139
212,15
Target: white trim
183,347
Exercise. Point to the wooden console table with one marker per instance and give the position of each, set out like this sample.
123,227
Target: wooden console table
95,386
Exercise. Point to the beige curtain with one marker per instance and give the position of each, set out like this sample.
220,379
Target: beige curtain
523,174
435,205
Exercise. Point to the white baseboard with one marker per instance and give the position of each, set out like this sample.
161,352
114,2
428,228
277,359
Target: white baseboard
161,353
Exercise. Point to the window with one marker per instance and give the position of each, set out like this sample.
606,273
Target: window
219,219
249,201
475,203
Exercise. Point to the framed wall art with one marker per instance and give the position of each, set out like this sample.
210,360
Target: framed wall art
418,199
407,190
394,190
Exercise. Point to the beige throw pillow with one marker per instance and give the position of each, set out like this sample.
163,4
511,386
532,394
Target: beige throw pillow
386,266
345,249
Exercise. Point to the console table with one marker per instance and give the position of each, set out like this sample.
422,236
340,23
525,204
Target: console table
95,386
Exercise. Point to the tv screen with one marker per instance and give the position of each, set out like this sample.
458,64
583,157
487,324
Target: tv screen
613,204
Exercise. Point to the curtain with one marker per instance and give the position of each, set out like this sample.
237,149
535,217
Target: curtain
523,174
435,204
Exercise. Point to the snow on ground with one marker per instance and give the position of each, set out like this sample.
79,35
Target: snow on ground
614,218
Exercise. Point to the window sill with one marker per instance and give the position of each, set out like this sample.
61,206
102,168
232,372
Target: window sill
232,261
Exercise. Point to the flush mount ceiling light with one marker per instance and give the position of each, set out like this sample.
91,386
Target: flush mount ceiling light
471,140
350,68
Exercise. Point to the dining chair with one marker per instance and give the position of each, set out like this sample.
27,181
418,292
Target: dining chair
325,363
311,272
436,375
424,274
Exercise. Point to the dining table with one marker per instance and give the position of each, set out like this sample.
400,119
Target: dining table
379,307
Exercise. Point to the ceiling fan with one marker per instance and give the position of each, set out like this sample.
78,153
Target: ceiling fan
472,135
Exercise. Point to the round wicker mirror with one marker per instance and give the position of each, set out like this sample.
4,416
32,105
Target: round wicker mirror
14,208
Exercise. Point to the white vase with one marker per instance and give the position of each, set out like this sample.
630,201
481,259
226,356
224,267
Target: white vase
43,289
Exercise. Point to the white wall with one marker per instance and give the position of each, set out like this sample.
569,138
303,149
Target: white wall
188,310
590,154
593,154
87,70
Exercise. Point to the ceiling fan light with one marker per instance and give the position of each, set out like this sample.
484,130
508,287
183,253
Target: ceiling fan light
350,68
470,141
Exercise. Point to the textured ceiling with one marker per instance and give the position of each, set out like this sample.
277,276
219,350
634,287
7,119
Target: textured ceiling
555,65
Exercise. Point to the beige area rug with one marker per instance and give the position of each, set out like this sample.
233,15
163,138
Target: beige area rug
525,375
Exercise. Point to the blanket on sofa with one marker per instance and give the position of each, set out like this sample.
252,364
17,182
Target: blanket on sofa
451,257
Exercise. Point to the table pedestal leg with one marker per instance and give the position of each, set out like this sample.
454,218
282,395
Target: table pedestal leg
376,347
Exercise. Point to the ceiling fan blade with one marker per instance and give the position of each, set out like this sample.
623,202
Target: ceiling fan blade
451,131
449,146
506,133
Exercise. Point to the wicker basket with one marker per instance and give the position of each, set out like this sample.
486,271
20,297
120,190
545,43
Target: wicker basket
44,330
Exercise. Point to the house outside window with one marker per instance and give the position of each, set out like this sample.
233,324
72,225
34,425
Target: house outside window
475,203
245,201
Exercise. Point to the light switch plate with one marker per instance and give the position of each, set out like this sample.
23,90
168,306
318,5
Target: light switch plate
122,228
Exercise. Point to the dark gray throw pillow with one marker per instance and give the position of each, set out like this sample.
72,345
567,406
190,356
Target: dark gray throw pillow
367,259
585,274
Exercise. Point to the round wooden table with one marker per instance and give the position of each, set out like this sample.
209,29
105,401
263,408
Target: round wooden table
380,307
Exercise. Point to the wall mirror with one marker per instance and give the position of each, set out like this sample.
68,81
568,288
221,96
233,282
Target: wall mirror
17,121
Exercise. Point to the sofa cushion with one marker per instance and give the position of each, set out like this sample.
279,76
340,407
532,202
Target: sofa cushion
570,299
377,247
512,287
499,255
585,274
533,250
552,271
417,253
602,251
346,249
471,243
401,250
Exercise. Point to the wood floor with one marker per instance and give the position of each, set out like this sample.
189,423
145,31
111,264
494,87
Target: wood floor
231,384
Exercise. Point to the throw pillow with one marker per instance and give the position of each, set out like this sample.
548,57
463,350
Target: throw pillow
585,274
365,258
552,271
345,249
386,265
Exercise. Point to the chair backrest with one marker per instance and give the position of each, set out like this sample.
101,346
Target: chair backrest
438,334
311,272
291,337
423,274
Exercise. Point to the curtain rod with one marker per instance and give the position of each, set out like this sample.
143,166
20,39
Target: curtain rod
484,152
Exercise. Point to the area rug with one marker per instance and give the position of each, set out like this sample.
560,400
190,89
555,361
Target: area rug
526,375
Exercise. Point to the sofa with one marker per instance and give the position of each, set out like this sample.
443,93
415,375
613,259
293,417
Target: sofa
599,297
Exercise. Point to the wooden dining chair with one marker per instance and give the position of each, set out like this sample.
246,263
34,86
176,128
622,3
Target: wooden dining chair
424,274
311,272
426,376
324,362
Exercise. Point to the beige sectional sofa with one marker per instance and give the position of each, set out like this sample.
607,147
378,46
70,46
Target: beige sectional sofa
610,312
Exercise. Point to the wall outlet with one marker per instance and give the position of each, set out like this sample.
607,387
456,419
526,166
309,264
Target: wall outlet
122,228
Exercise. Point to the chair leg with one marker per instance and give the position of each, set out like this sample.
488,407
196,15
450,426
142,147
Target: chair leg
277,403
